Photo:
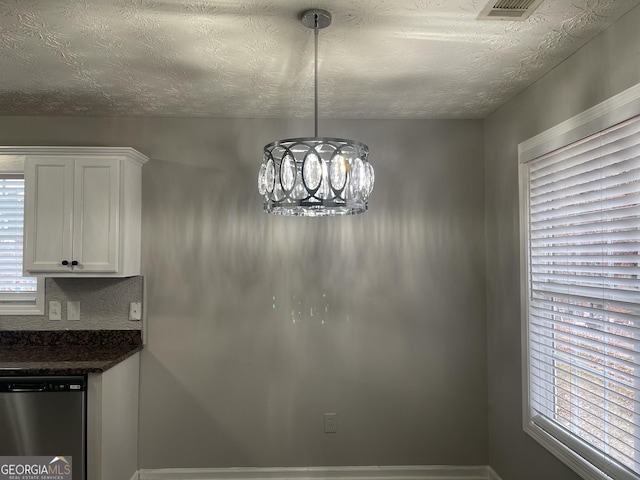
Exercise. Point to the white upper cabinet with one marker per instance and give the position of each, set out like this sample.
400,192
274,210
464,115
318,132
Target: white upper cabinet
83,212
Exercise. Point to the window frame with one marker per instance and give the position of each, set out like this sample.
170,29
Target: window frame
14,165
566,447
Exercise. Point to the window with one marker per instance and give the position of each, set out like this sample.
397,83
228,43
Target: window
18,295
581,297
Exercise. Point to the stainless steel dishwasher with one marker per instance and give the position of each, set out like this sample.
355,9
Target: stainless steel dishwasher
44,416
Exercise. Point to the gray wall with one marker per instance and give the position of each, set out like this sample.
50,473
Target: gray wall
257,325
604,67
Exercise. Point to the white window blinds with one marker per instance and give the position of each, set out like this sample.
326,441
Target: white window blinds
584,296
13,286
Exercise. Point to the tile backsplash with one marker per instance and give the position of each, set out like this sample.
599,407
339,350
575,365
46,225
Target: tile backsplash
104,305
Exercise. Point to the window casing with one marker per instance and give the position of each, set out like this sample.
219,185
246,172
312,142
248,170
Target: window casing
18,295
580,212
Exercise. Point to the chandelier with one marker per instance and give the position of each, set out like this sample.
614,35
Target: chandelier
315,176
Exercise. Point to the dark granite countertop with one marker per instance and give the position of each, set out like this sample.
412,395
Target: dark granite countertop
70,352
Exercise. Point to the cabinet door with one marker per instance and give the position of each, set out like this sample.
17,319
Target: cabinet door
96,214
48,212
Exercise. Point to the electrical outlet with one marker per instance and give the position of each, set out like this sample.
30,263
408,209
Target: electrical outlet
73,310
55,311
330,423
135,311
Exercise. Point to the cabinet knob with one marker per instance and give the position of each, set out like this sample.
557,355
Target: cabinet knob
74,263
65,262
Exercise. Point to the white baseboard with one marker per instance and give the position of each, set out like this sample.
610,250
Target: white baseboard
492,475
425,472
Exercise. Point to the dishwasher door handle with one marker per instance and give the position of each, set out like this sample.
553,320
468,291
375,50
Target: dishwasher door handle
35,387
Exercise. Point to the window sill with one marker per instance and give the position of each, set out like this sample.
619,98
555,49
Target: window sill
555,444
32,307
21,310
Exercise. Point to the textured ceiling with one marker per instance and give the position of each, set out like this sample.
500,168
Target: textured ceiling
253,58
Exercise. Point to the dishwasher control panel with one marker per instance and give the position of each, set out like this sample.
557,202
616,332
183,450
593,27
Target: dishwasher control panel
75,383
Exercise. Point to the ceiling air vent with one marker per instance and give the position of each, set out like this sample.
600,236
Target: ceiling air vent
508,9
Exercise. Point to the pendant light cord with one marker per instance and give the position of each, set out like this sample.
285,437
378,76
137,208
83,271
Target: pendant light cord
315,31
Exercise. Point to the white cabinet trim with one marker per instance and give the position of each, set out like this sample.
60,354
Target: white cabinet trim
129,152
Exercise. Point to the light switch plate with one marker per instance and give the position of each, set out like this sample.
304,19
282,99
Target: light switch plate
135,311
73,310
55,311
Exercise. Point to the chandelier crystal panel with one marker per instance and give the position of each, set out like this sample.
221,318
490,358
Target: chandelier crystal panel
315,176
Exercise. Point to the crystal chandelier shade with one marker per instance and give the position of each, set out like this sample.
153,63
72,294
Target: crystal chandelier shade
315,176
